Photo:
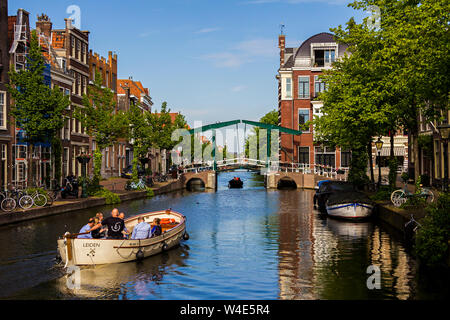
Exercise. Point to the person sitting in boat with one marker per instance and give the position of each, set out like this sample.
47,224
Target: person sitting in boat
156,230
125,231
115,225
142,230
85,232
99,215
97,232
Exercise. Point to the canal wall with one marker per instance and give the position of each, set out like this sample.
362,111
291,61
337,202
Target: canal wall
62,207
396,217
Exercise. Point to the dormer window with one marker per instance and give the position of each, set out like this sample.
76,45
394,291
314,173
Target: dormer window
324,57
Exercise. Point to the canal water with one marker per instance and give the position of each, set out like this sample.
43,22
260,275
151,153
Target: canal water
247,243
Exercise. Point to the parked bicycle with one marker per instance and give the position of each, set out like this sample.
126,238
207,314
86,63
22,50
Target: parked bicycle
36,198
131,185
400,196
7,202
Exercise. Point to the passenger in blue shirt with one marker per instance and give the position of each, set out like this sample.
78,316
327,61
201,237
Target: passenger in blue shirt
87,228
141,230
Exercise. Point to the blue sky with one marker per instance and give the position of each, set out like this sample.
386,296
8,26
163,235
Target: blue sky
212,60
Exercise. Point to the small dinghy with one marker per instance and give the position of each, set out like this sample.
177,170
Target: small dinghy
349,205
77,251
235,183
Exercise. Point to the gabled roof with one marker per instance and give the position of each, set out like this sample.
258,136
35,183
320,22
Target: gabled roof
136,88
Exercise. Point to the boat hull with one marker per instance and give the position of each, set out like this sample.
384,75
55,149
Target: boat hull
350,210
235,184
105,251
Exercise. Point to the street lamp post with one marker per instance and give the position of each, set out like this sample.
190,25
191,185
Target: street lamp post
84,160
444,131
379,146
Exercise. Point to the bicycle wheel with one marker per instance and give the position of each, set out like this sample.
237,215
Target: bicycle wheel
429,195
8,204
398,197
40,200
26,202
50,198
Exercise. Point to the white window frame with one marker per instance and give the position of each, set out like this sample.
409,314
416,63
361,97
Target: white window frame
308,94
3,110
298,119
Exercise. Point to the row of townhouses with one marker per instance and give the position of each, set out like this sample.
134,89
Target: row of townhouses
71,66
298,88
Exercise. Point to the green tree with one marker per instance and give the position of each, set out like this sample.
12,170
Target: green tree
141,133
37,108
101,120
163,127
253,144
392,74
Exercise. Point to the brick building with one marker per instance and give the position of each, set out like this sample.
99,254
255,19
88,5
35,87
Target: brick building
18,43
61,77
129,92
71,47
113,159
6,125
298,87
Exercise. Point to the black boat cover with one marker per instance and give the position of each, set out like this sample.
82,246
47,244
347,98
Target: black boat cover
348,197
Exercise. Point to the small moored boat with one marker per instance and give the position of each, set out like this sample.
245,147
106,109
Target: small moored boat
349,205
76,251
235,183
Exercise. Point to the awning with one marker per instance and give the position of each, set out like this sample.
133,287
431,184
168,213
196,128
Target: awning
398,151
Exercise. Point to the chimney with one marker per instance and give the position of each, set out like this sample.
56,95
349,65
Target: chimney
44,26
68,23
281,45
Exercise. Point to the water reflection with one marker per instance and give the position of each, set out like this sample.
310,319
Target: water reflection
135,280
248,243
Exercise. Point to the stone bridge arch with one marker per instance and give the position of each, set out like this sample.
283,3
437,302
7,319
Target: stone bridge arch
207,177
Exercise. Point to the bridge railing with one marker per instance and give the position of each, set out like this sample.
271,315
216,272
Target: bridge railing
306,168
275,166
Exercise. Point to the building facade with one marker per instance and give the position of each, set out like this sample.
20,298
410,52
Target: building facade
71,47
133,92
6,127
298,87
112,157
18,43
61,78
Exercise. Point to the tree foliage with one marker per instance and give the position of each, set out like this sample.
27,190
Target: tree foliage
37,108
391,74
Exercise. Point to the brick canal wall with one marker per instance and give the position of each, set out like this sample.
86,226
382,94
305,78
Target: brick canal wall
62,207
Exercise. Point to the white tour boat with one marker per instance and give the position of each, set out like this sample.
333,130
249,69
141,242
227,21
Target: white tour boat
78,251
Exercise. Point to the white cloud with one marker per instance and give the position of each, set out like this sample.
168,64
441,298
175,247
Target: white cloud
207,30
258,47
225,59
147,33
243,52
238,88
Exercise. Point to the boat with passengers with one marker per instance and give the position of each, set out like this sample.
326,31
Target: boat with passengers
80,251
